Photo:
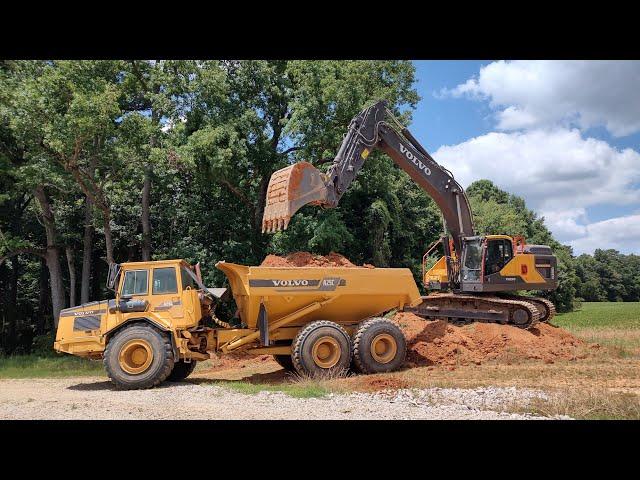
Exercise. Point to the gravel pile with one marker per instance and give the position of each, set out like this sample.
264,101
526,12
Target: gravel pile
93,398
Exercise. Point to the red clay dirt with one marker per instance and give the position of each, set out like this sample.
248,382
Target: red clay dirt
439,343
306,259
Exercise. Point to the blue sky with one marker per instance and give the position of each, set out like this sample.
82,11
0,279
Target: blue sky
564,135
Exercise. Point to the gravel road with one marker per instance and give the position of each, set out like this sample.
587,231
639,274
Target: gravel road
95,398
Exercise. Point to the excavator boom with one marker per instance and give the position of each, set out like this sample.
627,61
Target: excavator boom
374,128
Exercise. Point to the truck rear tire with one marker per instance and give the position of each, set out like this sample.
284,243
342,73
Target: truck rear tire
138,357
321,348
181,370
378,346
285,362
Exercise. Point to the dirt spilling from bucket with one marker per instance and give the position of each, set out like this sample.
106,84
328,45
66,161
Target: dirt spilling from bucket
439,343
306,259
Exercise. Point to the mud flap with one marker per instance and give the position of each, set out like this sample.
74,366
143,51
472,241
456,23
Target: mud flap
263,326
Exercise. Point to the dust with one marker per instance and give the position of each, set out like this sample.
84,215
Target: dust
439,343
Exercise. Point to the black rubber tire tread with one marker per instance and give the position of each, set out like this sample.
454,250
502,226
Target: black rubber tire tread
160,368
363,361
306,366
285,362
181,370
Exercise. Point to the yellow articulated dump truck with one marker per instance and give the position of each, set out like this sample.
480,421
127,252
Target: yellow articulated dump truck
314,321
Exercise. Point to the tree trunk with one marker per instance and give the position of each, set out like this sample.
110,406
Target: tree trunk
44,304
146,220
87,242
262,196
108,238
52,256
97,278
71,264
146,191
9,294
87,246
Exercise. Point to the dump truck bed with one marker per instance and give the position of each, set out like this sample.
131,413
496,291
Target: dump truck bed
350,294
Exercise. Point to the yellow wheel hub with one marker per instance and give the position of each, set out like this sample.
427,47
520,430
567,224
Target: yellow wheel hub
384,348
326,352
135,356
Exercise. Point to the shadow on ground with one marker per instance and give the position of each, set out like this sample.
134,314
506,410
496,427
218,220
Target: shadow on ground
276,377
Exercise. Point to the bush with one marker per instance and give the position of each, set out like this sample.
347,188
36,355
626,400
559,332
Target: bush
43,345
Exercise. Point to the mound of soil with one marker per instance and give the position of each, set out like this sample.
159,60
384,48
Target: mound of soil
439,343
306,259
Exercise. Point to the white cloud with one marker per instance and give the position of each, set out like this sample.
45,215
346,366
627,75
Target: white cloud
540,93
558,172
621,233
564,223
553,170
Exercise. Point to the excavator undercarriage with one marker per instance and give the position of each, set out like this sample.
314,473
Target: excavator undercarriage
463,308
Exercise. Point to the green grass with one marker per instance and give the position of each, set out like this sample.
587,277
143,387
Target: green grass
623,315
297,389
615,325
31,366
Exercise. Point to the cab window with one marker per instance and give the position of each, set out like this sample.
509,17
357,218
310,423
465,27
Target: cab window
472,261
499,252
164,281
135,283
187,280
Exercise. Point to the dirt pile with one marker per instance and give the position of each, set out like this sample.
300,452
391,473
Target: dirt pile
439,343
306,259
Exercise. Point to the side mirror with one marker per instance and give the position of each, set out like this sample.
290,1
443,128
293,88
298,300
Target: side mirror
112,277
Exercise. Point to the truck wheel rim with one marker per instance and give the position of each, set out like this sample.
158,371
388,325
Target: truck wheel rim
326,352
383,348
135,356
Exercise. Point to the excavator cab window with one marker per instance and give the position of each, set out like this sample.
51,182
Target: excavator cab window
472,264
499,253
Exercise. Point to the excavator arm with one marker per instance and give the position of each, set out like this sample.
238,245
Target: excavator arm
374,128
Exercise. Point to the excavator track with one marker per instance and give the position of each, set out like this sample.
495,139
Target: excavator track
468,308
546,307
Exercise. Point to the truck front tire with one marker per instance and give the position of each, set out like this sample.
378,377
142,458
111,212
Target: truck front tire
137,357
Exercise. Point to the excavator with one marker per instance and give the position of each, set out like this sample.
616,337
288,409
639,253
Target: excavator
478,276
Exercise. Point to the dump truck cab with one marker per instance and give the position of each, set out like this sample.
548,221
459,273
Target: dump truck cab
165,294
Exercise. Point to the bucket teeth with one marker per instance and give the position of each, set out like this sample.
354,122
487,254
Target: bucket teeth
289,190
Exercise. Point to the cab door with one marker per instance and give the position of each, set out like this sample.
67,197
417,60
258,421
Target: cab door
498,253
165,297
134,286
471,265
190,297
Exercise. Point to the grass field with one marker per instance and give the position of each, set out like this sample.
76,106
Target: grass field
31,366
615,325
620,315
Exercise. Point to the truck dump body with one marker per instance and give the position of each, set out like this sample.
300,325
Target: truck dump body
349,294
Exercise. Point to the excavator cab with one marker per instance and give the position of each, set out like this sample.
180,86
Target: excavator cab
494,263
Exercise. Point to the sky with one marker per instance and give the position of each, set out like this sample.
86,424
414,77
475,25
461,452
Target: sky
564,135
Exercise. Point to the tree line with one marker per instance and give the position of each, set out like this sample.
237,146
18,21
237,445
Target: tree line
131,160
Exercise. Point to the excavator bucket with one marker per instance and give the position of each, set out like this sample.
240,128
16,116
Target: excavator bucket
289,190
